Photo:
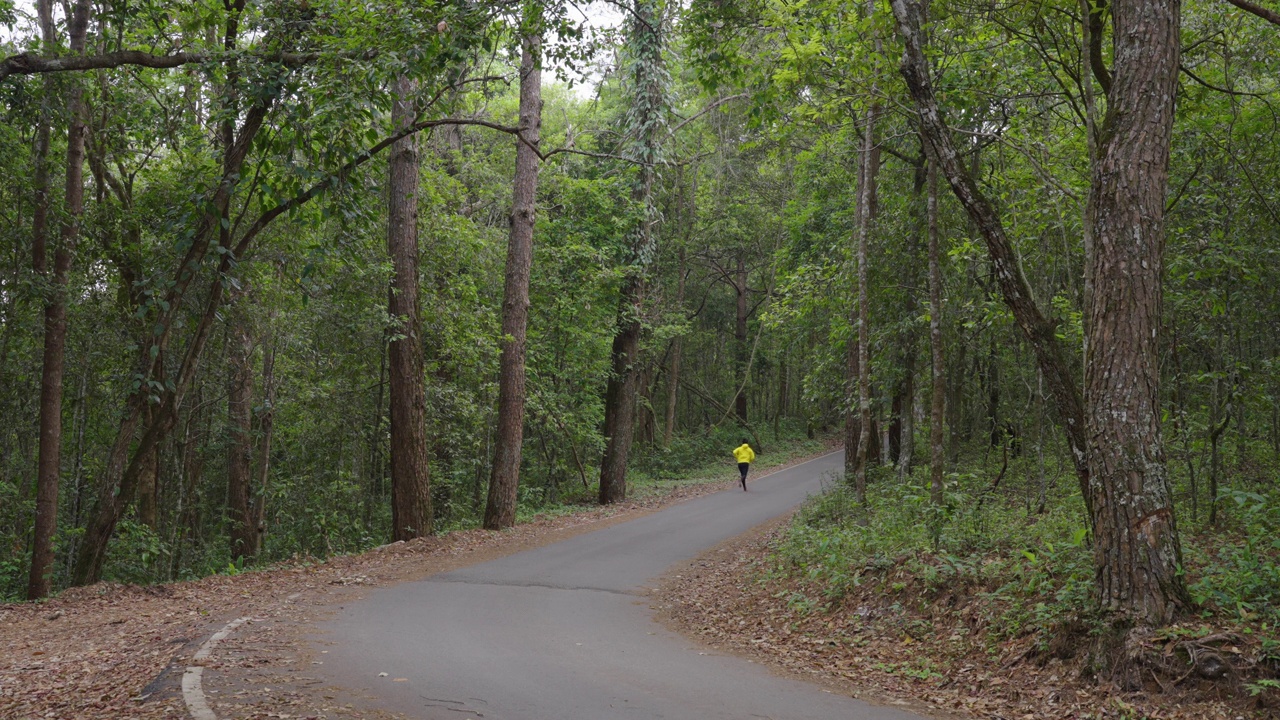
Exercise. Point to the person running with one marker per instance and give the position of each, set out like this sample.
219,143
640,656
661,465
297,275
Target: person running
745,455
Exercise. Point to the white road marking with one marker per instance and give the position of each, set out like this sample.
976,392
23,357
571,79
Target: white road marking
192,679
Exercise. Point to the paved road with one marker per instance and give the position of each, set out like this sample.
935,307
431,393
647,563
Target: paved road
563,632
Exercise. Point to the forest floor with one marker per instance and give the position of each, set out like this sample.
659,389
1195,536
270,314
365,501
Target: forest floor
886,646
120,651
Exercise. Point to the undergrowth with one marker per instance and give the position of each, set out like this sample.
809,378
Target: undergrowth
1022,570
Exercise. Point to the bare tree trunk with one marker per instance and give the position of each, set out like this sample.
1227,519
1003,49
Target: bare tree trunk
1137,551
240,429
49,464
149,489
1114,435
376,475
866,201
1219,419
410,480
620,397
740,339
266,430
500,511
937,408
673,375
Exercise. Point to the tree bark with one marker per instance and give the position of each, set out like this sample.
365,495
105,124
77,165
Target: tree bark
410,480
866,216
49,463
266,431
1114,435
741,350
937,408
500,511
1137,552
240,430
673,374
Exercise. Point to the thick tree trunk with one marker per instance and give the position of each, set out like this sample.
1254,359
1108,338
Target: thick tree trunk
1137,551
240,431
49,464
1114,435
410,483
937,407
500,511
620,400
148,505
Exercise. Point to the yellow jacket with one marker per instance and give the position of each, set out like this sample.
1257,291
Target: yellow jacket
744,453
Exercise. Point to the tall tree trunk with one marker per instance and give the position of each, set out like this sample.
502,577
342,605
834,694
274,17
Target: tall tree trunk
1137,551
240,430
673,374
866,216
376,476
128,454
937,408
266,431
740,340
500,511
645,118
620,396
55,313
410,481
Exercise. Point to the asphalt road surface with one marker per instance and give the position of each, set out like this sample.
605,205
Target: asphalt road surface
564,632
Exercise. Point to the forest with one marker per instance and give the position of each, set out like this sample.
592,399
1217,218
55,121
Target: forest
299,278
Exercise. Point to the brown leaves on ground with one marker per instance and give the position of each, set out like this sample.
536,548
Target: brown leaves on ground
887,644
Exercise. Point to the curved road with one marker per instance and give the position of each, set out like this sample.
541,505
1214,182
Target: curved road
563,632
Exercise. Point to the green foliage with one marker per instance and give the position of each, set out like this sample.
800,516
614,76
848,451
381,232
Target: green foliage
1239,574
13,579
1034,571
138,554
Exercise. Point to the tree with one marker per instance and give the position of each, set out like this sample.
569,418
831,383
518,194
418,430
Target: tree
410,483
1117,447
55,313
645,121
500,512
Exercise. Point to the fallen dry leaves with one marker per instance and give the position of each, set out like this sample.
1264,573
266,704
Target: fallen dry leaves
886,647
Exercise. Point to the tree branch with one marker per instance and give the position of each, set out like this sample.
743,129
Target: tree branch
31,64
1268,15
